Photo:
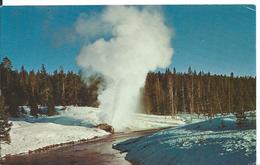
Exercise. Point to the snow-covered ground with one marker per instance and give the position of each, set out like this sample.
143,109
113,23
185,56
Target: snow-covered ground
216,141
72,124
144,121
30,133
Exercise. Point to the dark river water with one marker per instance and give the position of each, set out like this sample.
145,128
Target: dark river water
93,152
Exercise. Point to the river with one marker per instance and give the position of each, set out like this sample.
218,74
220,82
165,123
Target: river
93,152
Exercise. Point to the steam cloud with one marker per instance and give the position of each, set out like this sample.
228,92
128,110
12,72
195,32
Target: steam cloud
139,42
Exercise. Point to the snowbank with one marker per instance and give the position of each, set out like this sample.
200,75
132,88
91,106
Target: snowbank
30,133
72,124
216,141
31,136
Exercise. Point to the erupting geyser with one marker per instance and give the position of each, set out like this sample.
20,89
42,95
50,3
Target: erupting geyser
134,41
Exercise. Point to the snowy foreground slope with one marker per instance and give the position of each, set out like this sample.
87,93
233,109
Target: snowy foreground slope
217,141
72,124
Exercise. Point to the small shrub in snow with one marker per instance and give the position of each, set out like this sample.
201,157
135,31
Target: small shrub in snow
201,139
22,110
106,127
222,124
241,119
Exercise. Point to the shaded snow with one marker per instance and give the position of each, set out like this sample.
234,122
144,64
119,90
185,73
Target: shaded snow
216,141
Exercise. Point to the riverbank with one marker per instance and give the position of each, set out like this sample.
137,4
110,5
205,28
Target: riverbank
73,124
221,140
96,151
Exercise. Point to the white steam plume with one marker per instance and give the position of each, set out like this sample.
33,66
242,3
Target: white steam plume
140,42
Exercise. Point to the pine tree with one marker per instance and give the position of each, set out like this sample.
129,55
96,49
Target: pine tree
191,90
51,107
147,94
5,126
34,110
23,77
62,78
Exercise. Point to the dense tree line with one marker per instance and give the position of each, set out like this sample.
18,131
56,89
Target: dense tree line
46,89
202,93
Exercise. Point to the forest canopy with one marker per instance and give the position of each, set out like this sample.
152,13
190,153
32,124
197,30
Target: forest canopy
33,88
202,93
164,93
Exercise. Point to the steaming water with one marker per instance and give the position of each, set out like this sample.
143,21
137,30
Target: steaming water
140,43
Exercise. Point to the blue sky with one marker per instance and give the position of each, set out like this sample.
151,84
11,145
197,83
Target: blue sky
219,39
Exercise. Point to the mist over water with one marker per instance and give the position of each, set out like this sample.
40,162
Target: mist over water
140,42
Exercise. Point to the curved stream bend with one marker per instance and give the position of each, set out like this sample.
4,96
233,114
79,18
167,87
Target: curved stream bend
93,152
